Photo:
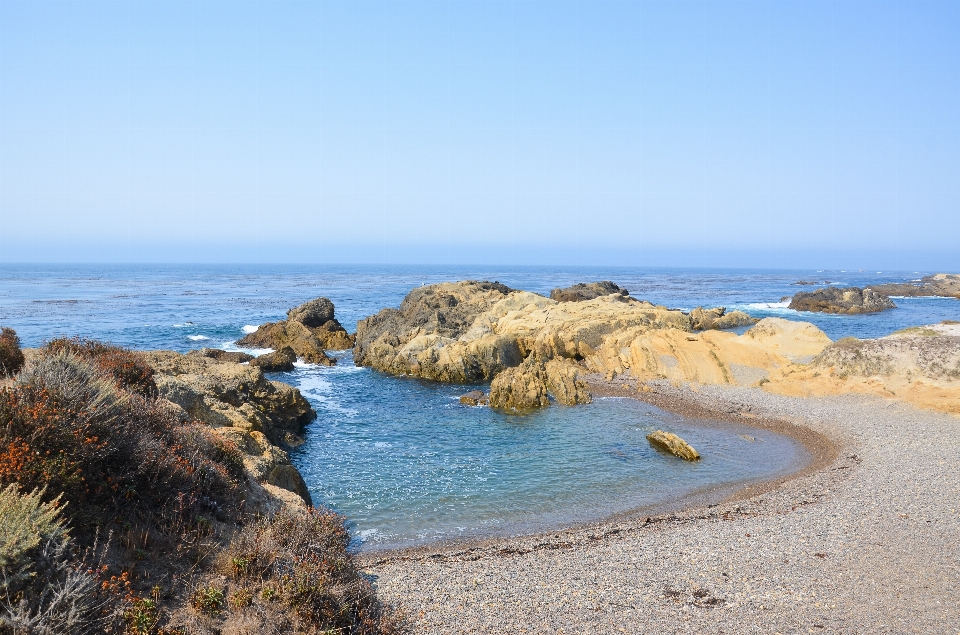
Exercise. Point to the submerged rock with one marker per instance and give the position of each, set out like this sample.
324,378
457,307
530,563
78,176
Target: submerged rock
277,361
669,442
474,398
850,300
584,291
301,339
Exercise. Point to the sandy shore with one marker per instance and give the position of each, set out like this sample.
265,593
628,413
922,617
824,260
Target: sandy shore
867,540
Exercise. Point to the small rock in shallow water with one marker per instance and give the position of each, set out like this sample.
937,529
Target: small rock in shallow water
474,398
669,442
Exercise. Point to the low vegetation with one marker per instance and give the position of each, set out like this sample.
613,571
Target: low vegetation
116,516
11,357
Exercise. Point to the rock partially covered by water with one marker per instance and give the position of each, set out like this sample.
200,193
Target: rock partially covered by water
584,291
277,361
669,442
850,300
529,386
939,284
717,318
521,389
236,357
301,339
474,398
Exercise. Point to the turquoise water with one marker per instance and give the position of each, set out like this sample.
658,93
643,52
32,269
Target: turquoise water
402,458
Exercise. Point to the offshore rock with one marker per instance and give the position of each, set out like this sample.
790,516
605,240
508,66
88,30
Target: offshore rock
850,300
704,319
584,291
301,339
669,442
939,284
313,313
277,361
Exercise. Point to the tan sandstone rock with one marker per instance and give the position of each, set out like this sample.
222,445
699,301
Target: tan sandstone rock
669,442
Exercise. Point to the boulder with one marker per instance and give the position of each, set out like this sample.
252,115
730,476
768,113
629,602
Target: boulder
850,300
938,284
277,335
669,442
733,320
277,361
474,398
236,357
584,291
265,463
313,313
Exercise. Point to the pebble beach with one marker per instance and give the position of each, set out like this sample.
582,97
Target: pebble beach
865,540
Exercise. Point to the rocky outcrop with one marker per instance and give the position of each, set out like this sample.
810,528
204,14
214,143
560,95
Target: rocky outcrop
310,330
850,300
704,319
521,388
238,402
939,284
223,356
277,361
565,383
226,394
671,443
470,331
584,291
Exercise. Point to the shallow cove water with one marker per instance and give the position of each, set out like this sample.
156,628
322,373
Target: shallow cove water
408,464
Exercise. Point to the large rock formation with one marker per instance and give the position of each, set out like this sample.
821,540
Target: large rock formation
584,291
939,284
704,319
310,329
850,300
241,404
470,331
529,386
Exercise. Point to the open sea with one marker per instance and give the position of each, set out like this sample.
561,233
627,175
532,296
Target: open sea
402,458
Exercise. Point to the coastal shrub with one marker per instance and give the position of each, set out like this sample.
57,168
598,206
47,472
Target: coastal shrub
127,368
11,357
66,425
43,589
298,564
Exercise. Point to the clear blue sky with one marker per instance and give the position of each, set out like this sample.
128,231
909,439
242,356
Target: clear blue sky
769,133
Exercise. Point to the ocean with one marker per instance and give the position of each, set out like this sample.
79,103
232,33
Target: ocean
400,457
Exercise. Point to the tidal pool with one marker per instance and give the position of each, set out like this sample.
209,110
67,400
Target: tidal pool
408,464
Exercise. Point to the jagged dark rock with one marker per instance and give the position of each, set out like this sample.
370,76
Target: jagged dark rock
224,356
277,361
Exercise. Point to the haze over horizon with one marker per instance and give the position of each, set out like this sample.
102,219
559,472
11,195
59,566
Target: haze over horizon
749,134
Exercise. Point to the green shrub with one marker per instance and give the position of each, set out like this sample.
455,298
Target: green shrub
25,523
126,367
11,357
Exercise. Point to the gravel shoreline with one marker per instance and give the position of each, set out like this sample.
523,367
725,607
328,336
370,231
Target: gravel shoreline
865,540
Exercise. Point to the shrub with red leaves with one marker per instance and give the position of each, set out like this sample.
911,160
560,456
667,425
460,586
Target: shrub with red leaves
127,367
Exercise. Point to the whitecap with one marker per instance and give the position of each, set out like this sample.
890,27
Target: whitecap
366,533
249,328
197,338
768,306
382,445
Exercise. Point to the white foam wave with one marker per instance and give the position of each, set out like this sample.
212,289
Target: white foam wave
197,338
231,347
768,306
249,328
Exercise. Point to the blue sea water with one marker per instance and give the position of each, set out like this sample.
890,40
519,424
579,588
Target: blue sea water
402,458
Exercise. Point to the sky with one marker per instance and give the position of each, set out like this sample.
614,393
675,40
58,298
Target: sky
700,133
